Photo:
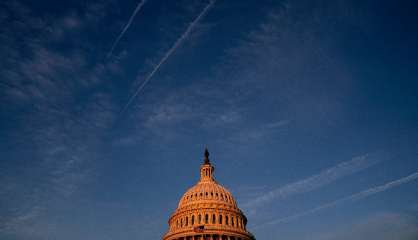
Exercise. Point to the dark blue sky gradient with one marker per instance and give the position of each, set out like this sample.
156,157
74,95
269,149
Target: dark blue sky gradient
302,104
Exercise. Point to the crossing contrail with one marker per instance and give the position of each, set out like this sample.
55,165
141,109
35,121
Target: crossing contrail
354,197
138,7
178,42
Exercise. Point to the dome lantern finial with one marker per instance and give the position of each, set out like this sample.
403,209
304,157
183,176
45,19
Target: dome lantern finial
207,161
206,169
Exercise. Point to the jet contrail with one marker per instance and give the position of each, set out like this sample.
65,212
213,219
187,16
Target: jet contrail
354,197
319,180
169,52
138,7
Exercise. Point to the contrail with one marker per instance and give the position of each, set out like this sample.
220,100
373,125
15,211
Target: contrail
354,197
169,52
138,7
319,180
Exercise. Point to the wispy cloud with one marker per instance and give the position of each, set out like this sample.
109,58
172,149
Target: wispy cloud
316,181
115,43
382,226
178,42
353,197
277,124
64,133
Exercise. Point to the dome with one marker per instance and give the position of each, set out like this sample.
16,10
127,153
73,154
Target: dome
209,192
207,211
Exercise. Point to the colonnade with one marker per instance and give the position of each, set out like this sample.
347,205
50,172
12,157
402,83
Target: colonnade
210,237
208,218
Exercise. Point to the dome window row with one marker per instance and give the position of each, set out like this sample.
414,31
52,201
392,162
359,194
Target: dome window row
201,194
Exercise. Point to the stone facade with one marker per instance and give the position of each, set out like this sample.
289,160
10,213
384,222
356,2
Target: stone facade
207,211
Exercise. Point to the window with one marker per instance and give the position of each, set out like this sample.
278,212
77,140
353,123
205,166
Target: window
200,219
213,219
187,221
206,219
181,222
232,221
226,220
192,219
220,219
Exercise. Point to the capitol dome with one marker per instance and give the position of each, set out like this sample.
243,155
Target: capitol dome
207,211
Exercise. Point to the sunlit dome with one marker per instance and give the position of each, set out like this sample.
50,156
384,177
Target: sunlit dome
209,192
207,211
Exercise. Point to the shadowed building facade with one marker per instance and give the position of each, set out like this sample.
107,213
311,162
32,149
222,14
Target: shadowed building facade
207,211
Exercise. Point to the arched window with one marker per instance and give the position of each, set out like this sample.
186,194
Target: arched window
199,219
181,222
226,220
187,221
213,219
232,221
192,219
220,219
211,194
177,223
206,219
206,194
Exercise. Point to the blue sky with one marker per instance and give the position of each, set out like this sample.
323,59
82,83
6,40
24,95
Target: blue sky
309,110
